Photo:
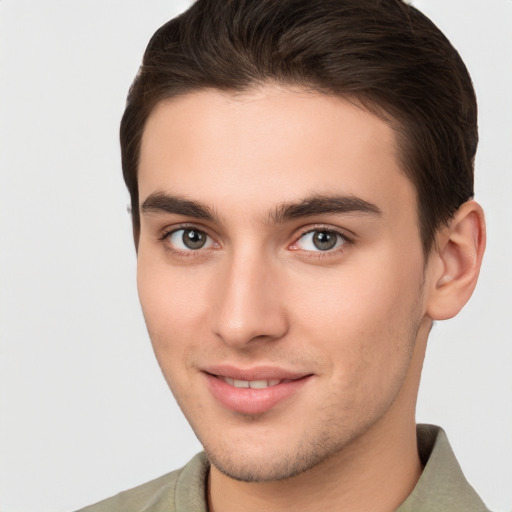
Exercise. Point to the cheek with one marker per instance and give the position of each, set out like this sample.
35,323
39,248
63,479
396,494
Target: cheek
364,316
172,303
355,299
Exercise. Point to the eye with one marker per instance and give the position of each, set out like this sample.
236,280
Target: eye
320,240
189,239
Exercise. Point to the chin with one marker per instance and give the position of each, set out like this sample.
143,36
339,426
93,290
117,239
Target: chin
278,468
272,462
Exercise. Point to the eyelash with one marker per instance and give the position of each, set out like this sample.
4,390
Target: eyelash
346,240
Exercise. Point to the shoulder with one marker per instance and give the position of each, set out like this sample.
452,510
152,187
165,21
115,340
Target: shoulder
138,498
161,493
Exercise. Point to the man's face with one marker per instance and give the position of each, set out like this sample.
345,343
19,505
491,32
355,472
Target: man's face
281,274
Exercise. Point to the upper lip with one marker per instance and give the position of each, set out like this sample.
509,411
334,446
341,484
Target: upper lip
254,373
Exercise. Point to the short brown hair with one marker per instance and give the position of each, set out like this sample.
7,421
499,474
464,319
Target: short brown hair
383,53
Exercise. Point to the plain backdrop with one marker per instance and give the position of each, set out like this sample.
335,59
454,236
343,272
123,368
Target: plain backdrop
84,411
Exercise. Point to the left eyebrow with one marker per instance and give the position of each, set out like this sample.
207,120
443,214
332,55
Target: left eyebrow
322,204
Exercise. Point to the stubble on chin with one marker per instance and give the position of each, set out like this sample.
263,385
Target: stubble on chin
263,464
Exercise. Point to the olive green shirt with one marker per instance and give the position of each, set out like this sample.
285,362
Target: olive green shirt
441,487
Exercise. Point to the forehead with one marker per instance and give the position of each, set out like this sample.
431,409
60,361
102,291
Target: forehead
269,145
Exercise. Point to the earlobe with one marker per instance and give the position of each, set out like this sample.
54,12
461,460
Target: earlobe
455,261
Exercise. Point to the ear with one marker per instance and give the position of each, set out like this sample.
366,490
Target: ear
455,261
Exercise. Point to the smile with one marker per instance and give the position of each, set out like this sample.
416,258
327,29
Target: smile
253,384
255,391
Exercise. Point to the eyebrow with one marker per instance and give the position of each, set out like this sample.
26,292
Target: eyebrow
160,202
323,204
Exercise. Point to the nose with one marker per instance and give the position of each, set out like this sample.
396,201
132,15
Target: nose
246,303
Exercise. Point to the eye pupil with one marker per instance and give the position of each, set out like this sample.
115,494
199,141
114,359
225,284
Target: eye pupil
193,239
324,240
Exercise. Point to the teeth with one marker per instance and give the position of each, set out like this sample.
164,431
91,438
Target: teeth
253,384
259,384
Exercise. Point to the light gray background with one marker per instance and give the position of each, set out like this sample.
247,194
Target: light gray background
84,411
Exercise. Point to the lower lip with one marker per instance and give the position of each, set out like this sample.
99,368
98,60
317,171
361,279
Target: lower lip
253,401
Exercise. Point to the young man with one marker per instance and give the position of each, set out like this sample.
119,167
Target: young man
301,177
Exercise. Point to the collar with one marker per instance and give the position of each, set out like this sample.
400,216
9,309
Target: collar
442,485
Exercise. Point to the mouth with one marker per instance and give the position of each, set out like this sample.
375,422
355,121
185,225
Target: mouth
254,391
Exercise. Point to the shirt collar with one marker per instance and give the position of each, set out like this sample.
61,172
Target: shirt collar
442,485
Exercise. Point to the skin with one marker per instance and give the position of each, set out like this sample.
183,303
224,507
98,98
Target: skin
353,319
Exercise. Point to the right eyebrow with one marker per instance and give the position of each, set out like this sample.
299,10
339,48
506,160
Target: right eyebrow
160,202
